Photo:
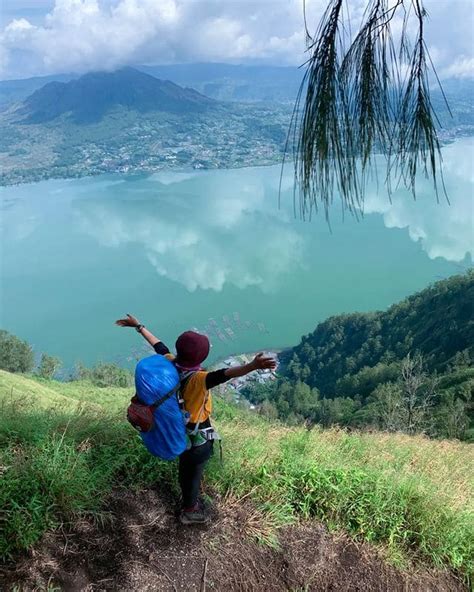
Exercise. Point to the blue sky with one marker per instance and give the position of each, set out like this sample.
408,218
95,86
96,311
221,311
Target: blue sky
40,37
33,10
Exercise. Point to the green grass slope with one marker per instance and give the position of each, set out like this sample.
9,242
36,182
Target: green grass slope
63,447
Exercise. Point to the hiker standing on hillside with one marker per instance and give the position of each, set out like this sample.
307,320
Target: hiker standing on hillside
191,350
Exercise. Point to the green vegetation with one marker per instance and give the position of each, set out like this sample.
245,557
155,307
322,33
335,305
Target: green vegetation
65,445
48,366
16,355
406,369
104,374
437,322
365,92
129,141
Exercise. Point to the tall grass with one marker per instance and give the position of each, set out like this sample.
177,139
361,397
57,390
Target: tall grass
412,496
57,466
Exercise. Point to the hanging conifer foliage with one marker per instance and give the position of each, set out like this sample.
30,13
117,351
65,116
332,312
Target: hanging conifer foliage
364,94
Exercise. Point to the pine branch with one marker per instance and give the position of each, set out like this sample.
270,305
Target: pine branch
352,104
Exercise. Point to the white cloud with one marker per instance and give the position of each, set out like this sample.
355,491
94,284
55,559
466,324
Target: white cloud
18,26
80,35
462,67
83,35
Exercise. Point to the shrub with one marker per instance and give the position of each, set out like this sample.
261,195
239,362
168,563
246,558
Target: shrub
111,375
104,374
16,355
48,366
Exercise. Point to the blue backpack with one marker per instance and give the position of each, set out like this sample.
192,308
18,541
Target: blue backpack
157,389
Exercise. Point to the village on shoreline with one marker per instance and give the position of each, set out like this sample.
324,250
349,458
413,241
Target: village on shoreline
234,389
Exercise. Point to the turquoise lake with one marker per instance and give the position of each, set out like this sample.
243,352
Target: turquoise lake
211,250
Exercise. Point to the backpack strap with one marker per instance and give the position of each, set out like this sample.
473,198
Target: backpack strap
184,378
164,398
208,434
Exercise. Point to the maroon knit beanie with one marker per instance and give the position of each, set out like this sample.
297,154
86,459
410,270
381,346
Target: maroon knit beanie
191,349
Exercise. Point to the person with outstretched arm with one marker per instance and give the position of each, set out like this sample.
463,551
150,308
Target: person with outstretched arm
192,349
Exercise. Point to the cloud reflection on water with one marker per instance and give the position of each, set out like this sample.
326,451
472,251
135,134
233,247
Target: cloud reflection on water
445,230
205,230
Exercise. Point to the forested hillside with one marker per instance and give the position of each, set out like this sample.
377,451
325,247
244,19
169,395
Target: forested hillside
408,368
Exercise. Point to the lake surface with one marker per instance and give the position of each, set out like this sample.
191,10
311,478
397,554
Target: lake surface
179,249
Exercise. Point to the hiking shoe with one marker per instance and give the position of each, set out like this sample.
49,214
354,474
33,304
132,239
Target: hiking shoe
196,515
206,502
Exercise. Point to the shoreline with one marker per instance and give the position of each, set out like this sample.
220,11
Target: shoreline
146,172
282,161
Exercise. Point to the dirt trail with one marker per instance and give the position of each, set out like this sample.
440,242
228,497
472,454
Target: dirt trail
143,548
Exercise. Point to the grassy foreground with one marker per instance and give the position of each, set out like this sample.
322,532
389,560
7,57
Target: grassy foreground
64,446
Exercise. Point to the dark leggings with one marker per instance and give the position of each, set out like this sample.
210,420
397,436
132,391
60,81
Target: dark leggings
191,467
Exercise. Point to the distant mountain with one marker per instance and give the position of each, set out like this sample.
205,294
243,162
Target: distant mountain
141,123
135,123
15,91
91,96
459,94
228,82
244,83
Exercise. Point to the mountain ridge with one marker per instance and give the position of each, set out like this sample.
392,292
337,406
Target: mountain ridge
128,121
436,321
88,98
232,82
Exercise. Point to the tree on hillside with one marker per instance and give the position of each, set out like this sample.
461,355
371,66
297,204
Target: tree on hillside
16,355
419,390
453,415
361,93
388,406
48,366
105,374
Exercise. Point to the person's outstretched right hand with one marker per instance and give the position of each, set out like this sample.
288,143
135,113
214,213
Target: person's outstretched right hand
263,362
128,322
